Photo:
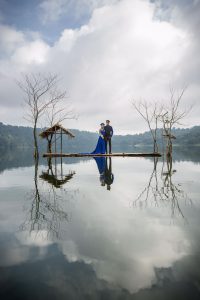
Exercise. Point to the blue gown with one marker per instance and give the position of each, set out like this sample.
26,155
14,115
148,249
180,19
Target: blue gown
101,164
100,147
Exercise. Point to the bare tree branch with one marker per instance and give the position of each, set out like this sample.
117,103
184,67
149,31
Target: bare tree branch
41,94
151,114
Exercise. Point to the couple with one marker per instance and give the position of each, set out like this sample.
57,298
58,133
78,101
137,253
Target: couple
105,136
106,176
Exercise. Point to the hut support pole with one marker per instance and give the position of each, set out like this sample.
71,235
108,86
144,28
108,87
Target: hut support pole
61,141
55,152
61,153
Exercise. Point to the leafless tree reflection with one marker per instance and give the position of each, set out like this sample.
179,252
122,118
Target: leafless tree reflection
47,212
161,189
172,192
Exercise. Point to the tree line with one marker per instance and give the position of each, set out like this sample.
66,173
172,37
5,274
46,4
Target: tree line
12,137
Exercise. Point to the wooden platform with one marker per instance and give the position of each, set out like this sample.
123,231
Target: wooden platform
100,155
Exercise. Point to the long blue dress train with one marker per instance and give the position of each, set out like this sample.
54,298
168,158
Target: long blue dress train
100,147
101,164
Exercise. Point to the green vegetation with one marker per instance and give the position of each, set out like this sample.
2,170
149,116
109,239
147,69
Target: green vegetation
12,137
15,136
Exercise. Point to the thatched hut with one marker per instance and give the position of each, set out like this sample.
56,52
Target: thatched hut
55,131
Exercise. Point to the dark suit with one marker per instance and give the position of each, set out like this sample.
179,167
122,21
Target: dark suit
109,177
108,136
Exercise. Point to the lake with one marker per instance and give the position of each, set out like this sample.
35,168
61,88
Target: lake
121,228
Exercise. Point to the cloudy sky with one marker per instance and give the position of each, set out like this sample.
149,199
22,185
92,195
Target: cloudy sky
107,52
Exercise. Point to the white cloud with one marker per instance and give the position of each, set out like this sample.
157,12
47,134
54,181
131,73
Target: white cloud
35,52
21,52
122,53
10,39
22,48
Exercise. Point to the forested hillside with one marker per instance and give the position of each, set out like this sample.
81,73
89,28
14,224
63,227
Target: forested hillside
12,137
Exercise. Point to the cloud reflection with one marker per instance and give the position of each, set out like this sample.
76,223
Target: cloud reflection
120,246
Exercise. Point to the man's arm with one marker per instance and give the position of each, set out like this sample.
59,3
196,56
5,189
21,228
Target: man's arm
111,131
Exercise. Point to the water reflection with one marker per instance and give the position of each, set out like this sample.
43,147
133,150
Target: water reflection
15,158
46,212
104,165
162,189
52,276
171,191
52,176
96,246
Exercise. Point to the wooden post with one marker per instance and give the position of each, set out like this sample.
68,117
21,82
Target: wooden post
55,139
61,141
55,152
61,155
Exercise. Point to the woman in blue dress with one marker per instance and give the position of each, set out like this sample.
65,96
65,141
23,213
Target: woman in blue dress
100,147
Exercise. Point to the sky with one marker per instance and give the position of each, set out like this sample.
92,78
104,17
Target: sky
108,54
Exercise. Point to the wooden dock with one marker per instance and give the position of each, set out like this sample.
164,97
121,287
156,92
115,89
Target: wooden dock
100,155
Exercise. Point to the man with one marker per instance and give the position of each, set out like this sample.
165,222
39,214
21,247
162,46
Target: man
108,136
109,177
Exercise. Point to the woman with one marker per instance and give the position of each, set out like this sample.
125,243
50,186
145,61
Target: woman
100,147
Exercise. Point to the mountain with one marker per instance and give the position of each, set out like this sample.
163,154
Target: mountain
16,137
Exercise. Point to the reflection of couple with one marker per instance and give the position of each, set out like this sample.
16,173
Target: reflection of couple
105,136
105,171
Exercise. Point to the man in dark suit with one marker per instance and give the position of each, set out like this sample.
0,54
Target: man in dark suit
109,177
108,136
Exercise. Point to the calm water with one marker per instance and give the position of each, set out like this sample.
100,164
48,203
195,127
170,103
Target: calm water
86,230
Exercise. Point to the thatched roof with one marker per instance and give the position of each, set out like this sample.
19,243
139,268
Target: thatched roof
53,129
52,179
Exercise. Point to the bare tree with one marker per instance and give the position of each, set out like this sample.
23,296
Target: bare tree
172,116
41,92
151,113
56,113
